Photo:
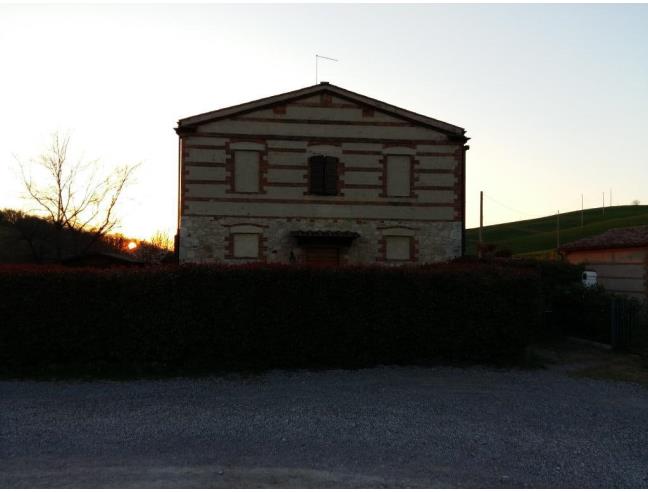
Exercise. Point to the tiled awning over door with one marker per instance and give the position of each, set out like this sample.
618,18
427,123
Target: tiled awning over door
338,238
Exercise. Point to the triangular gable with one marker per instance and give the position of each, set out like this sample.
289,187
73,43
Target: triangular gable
313,92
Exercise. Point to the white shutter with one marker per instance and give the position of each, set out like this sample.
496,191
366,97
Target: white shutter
246,245
246,171
398,248
398,175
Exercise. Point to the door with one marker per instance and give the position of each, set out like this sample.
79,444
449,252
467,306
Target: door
322,256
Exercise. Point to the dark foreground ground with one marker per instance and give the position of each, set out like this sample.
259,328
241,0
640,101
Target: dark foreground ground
384,427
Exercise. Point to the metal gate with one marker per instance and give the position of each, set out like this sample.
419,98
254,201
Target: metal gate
624,316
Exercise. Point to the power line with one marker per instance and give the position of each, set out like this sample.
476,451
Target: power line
518,211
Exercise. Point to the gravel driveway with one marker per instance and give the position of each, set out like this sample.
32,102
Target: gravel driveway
383,427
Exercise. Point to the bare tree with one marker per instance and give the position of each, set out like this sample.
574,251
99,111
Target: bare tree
74,196
636,202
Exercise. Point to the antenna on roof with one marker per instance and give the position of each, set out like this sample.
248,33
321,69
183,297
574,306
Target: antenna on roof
317,57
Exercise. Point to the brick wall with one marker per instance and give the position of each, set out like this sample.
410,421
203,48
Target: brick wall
285,137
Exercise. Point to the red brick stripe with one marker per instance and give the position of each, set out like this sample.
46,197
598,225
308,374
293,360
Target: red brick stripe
324,140
204,164
313,219
324,202
291,121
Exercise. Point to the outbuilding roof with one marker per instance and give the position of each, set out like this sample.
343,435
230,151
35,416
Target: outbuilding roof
447,128
621,237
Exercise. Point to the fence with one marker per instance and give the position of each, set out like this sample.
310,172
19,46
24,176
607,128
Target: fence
628,325
594,314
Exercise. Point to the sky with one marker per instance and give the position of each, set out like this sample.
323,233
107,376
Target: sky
553,97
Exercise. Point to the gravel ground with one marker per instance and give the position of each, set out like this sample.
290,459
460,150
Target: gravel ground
383,427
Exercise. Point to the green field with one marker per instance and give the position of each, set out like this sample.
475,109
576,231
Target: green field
537,237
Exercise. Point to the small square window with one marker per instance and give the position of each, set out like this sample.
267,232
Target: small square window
398,248
246,245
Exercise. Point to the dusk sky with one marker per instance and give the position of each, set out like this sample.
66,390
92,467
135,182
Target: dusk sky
553,97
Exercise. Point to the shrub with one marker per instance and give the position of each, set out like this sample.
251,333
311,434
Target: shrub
584,313
206,318
570,309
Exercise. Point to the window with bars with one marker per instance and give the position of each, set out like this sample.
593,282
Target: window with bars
323,175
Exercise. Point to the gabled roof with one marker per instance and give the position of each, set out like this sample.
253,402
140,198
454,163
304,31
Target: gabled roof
447,128
620,237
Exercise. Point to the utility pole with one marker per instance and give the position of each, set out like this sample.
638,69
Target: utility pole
610,197
481,223
582,211
603,203
557,230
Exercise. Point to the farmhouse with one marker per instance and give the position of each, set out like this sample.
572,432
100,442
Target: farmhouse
618,256
320,175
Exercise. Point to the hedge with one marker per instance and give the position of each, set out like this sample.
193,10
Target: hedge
200,318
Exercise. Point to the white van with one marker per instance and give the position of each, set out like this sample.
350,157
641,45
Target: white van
589,278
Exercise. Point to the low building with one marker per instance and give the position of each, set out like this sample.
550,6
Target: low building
321,175
101,259
618,256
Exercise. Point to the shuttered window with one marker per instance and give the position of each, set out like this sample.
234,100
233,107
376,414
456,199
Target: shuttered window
246,171
398,248
246,245
398,175
323,175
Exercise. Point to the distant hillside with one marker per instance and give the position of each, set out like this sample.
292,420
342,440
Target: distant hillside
26,238
538,236
12,249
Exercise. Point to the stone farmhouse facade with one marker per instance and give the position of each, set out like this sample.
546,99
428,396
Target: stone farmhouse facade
320,175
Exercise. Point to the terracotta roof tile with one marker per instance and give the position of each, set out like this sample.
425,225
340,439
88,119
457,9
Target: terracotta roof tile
621,237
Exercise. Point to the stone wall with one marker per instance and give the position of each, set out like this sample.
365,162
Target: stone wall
207,239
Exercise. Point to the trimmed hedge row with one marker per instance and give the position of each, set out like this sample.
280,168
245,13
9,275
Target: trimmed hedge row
200,318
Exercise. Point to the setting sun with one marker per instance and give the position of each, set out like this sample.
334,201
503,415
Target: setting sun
132,245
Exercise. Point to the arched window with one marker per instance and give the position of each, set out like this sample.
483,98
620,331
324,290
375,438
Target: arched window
323,175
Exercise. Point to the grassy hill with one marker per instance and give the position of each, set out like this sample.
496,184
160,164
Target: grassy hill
537,237
28,238
19,230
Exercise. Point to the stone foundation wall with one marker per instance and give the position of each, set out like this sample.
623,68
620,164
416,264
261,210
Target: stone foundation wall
207,239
